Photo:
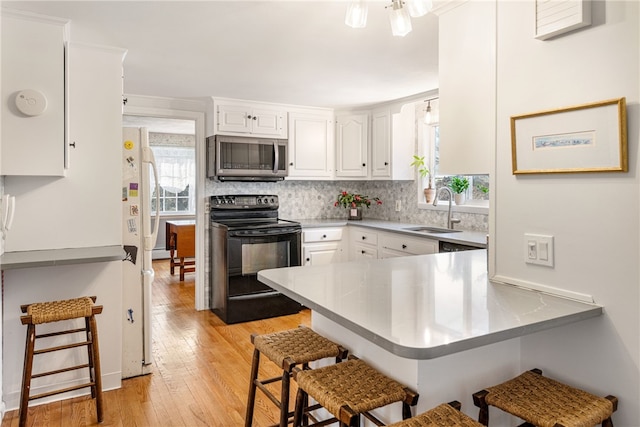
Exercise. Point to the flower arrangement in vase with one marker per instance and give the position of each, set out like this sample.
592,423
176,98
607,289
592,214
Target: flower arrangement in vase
354,202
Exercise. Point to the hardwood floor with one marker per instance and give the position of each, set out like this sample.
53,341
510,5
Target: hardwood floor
200,370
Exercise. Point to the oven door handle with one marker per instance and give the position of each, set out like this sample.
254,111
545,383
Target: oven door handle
264,232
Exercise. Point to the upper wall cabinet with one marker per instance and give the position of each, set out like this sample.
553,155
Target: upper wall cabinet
33,95
245,118
467,74
392,143
352,145
311,145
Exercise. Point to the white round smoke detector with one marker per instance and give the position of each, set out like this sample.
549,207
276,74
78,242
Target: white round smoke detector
31,102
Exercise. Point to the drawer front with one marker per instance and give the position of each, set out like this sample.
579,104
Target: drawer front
360,251
322,235
364,237
409,245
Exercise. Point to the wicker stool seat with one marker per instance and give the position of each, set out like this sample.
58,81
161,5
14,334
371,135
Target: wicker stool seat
544,402
56,311
347,390
287,349
444,415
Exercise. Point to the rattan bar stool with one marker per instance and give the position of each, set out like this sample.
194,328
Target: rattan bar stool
55,311
543,402
444,415
287,349
348,390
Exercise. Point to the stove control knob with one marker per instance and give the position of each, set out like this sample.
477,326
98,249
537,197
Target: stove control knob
273,200
259,201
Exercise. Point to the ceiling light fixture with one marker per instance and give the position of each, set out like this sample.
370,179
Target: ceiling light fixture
357,14
428,116
400,14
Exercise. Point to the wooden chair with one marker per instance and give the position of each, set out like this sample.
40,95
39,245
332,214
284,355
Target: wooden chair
56,311
444,415
348,390
287,349
544,402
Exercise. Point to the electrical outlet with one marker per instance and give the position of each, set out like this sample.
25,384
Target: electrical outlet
398,205
538,249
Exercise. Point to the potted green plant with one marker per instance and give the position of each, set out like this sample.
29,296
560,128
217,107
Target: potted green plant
418,163
459,184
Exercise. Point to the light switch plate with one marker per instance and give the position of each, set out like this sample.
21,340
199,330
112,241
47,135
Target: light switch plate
538,249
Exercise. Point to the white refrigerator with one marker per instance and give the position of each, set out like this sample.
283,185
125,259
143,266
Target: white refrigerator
139,238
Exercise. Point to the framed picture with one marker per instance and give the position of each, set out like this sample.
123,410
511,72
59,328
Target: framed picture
583,138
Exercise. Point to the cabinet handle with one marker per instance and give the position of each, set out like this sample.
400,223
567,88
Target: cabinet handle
72,144
291,164
364,164
324,236
308,259
255,118
404,246
249,117
386,163
363,237
364,252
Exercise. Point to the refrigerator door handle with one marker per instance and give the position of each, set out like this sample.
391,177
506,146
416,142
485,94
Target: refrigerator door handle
148,157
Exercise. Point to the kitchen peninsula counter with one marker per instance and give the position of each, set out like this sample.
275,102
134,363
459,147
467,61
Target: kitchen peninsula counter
423,307
432,322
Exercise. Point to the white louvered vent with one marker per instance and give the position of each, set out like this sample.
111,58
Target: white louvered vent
555,17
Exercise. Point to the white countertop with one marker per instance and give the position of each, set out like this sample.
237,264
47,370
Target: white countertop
472,238
54,257
427,306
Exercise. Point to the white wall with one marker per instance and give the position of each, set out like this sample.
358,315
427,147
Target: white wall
594,217
28,285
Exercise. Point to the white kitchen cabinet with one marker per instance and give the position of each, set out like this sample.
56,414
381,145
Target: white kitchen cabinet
249,119
363,243
397,244
311,145
85,208
322,246
352,145
467,75
393,142
33,95
381,144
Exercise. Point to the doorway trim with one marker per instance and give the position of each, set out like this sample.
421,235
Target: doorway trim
173,108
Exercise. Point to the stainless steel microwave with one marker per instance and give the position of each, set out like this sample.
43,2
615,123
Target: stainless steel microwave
239,158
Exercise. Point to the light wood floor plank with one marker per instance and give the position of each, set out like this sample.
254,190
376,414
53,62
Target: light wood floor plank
200,370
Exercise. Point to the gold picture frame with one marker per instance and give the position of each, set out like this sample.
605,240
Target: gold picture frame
583,138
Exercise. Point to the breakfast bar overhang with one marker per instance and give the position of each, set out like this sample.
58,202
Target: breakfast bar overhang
434,322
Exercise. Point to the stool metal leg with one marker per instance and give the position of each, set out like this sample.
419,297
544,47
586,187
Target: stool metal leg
26,376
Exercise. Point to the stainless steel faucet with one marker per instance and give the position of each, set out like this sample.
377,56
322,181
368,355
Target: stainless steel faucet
450,221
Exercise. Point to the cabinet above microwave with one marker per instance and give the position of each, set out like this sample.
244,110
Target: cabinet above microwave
236,158
249,119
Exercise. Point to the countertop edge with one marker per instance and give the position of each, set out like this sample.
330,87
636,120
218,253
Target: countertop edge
440,350
471,238
65,256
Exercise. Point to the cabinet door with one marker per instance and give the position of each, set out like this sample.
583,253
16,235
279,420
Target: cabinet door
234,118
267,122
467,73
321,253
381,145
351,142
310,145
33,57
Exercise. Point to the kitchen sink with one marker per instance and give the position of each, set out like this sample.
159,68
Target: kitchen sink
432,230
